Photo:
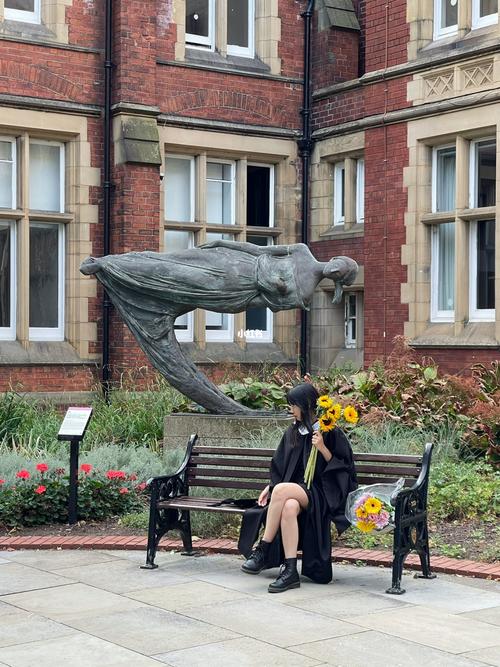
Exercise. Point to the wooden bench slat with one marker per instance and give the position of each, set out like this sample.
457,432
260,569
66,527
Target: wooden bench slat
238,451
227,484
364,479
198,503
235,474
234,463
388,458
388,470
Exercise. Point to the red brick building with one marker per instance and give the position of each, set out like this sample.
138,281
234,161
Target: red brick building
204,128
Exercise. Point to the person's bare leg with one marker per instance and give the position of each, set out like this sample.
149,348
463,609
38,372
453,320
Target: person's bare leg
281,493
290,527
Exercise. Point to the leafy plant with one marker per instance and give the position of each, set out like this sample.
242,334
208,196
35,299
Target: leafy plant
256,394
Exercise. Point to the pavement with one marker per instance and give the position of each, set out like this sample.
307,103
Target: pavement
97,608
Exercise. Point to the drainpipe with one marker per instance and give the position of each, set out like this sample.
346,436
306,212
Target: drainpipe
305,144
106,303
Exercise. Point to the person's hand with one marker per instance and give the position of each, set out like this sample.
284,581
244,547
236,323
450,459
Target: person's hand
317,441
262,501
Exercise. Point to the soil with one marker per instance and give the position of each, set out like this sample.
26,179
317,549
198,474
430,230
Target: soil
473,540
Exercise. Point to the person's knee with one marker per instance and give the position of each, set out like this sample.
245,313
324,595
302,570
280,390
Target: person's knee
280,492
291,509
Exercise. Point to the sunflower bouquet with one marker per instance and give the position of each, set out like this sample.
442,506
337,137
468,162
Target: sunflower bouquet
370,508
328,414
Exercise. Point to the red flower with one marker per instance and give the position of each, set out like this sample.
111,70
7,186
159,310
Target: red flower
40,489
2,481
23,474
42,467
124,489
115,474
141,486
132,478
86,468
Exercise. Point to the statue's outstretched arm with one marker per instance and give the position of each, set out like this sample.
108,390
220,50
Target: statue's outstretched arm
250,248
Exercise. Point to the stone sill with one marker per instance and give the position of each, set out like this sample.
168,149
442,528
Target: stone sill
254,353
37,34
441,335
41,353
357,230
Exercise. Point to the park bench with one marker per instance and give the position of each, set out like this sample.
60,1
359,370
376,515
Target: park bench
232,468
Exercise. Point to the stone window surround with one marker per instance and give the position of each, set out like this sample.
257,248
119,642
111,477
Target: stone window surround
420,16
348,149
461,128
267,32
252,150
53,19
77,218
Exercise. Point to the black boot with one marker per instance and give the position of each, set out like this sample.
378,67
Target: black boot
258,559
288,577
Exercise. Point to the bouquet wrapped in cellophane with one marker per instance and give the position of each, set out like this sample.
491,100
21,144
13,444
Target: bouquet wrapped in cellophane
370,508
328,413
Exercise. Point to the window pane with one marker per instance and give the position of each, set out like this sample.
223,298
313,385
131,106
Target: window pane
449,13
258,196
20,5
446,263
6,172
44,276
5,286
219,193
45,177
256,318
360,191
487,7
176,239
198,17
178,198
486,264
237,23
486,173
445,179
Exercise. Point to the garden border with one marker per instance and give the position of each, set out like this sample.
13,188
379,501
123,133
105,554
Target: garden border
465,568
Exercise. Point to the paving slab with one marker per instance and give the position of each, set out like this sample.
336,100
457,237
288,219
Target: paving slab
149,630
121,576
244,652
18,626
346,604
431,627
185,595
488,656
273,622
77,650
15,577
491,615
74,600
59,558
378,650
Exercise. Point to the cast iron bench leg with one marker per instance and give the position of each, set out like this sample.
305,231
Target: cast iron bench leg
397,572
185,530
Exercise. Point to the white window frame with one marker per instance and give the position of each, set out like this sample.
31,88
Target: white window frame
350,342
222,335
338,201
473,172
13,161
232,216
360,191
249,51
435,151
9,333
271,168
200,42
191,185
436,314
440,33
24,16
62,179
481,21
476,314
54,333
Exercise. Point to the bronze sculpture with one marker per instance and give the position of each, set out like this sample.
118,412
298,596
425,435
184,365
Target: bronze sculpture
150,290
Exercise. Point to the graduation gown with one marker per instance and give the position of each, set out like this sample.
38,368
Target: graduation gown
333,480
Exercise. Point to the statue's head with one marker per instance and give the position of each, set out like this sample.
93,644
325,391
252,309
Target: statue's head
343,271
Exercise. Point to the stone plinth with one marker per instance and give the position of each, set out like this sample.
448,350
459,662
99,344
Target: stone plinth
219,430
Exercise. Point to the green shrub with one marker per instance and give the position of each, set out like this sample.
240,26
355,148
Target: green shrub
256,394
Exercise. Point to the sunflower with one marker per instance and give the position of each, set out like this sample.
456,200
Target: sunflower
351,414
365,526
336,410
373,505
327,422
325,402
361,513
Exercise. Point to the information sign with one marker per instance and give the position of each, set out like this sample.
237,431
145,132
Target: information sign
74,424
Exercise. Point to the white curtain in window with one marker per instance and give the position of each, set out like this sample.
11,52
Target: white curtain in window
45,177
178,189
446,260
219,193
178,239
6,169
445,180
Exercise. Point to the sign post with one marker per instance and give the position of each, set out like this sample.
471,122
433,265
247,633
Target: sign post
73,428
